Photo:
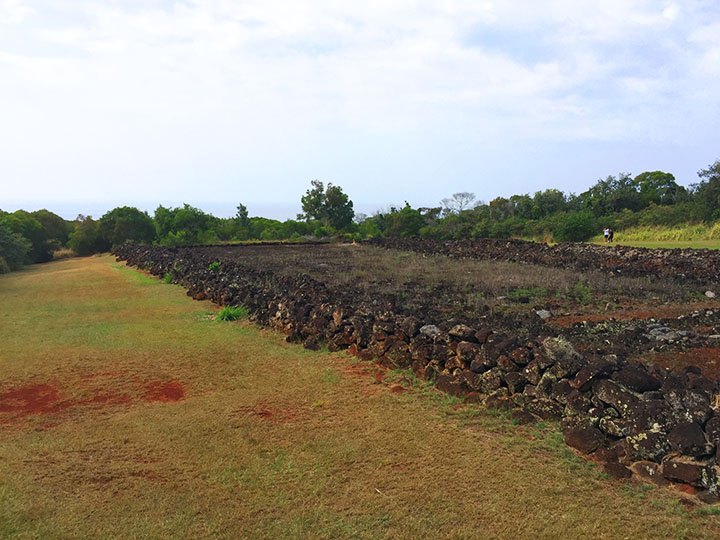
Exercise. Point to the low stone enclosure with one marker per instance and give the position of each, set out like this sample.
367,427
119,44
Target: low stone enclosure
660,425
692,265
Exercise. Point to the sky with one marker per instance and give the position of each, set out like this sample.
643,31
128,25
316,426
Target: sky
216,102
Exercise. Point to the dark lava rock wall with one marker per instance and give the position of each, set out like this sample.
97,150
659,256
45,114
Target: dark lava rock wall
692,265
633,418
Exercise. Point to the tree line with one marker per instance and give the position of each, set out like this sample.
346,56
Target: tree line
33,237
650,198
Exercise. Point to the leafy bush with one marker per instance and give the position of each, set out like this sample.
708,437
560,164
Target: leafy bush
232,313
167,278
527,294
14,248
126,224
214,266
85,239
22,223
582,292
575,227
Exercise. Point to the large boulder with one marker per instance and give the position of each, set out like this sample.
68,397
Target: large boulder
691,471
595,368
646,446
688,438
622,400
636,377
585,439
565,359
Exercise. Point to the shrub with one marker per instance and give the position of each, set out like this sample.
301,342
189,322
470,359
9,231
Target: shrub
214,266
14,248
4,266
167,278
125,224
575,227
63,253
525,295
232,313
85,239
582,292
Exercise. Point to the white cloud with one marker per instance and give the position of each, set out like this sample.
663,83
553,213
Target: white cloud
14,11
134,85
671,12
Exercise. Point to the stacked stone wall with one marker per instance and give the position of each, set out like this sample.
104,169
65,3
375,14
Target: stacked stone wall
633,418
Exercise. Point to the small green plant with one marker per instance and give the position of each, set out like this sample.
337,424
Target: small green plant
582,293
525,295
167,278
405,376
330,377
707,511
214,266
232,313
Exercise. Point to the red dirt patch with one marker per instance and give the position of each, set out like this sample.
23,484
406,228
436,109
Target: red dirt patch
707,359
106,398
31,399
639,312
165,391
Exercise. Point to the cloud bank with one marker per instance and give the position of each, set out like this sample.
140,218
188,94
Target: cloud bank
210,100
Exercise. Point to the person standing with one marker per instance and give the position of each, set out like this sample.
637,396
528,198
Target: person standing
611,233
606,234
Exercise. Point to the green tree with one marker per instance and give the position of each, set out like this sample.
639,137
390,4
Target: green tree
403,223
338,208
14,249
707,192
56,228
125,224
575,226
611,195
313,202
85,238
658,187
547,202
501,208
24,224
241,223
185,225
523,206
330,206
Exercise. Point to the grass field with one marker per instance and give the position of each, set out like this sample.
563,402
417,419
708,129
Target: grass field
698,236
128,411
664,244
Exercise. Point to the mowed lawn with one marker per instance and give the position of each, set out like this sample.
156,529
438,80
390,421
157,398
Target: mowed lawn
126,411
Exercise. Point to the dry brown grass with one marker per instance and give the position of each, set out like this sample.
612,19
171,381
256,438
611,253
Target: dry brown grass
370,266
63,253
268,440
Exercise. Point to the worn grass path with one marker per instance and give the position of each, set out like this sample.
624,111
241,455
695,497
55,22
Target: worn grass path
127,412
